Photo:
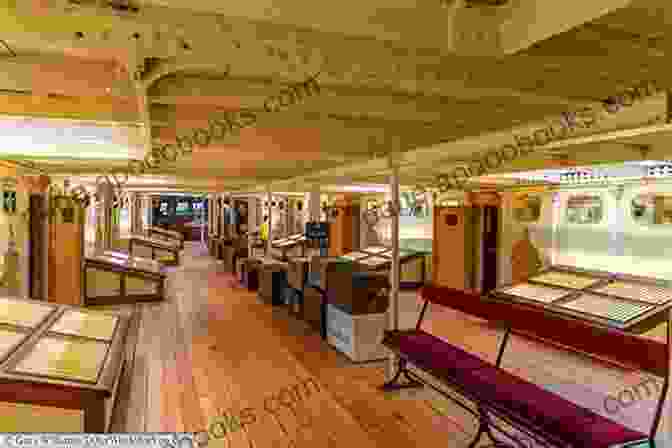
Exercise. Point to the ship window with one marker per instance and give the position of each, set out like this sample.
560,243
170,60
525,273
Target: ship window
648,209
527,208
585,209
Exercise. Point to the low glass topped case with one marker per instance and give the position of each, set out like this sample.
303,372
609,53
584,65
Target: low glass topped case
165,243
9,339
376,249
544,294
565,280
114,253
646,293
374,261
64,358
94,325
110,259
22,313
355,255
144,264
606,307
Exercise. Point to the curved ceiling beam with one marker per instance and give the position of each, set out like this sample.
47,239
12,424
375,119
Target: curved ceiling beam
164,68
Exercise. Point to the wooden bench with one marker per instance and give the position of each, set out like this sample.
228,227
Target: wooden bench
537,413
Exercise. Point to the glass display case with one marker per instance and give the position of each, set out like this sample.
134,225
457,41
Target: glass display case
565,280
412,269
352,256
540,293
112,278
374,262
167,252
65,368
88,324
61,358
606,307
165,235
377,249
628,290
24,314
10,339
621,301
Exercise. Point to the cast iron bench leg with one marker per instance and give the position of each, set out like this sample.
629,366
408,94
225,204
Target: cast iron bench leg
484,427
394,385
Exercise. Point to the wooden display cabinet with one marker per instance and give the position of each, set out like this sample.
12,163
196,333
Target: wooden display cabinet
162,234
114,277
59,365
156,248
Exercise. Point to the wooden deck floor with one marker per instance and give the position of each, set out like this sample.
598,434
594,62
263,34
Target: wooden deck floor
211,349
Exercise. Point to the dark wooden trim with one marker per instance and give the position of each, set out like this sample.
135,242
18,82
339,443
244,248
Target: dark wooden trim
43,394
127,299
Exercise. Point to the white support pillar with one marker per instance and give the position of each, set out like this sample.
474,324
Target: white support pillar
270,222
393,310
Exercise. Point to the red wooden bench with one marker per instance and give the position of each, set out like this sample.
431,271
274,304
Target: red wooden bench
544,416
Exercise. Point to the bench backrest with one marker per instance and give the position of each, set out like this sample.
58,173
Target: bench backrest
610,344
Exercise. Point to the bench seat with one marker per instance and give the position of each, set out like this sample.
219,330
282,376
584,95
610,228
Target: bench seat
507,395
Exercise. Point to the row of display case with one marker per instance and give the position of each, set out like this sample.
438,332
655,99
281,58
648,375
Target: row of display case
59,364
617,300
